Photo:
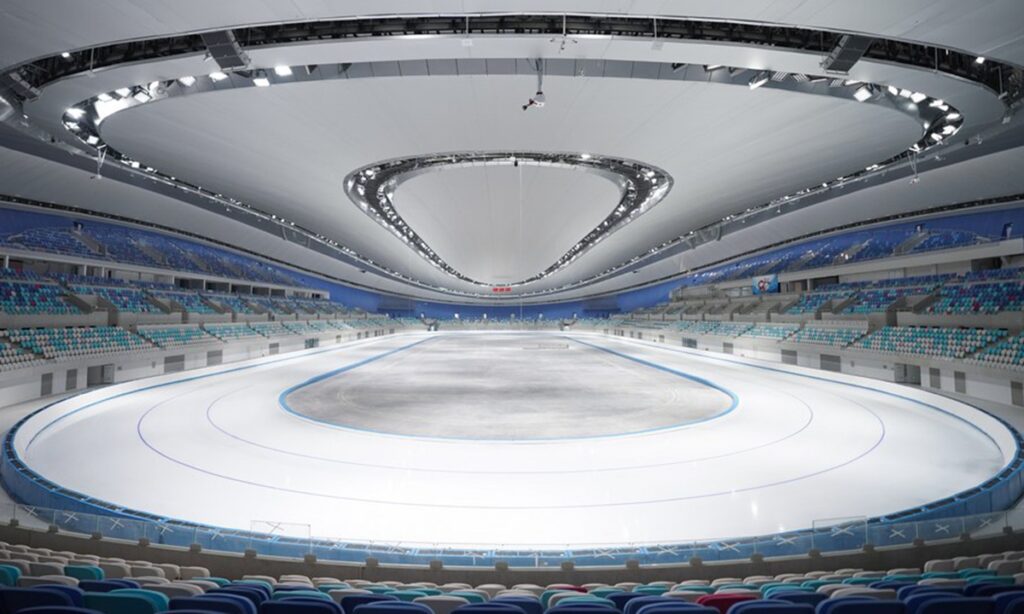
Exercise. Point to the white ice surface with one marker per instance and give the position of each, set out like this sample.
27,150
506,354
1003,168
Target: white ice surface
214,446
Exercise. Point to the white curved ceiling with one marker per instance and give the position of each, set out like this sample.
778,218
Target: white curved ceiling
502,224
286,149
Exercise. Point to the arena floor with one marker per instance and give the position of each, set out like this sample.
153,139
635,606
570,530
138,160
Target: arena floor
514,439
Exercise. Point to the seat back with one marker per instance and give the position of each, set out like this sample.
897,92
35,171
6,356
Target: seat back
14,599
958,605
349,603
119,603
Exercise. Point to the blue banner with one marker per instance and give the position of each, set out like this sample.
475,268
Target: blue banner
766,284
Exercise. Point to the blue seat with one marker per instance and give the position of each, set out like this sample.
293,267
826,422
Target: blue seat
223,604
528,605
678,607
1004,600
57,609
349,603
160,601
335,608
633,605
905,593
584,608
621,599
124,582
15,599
917,600
393,607
300,606
1009,605
308,594
765,606
264,591
585,604
254,595
983,589
119,603
801,597
682,607
100,586
491,607
861,606
76,594
959,605
83,572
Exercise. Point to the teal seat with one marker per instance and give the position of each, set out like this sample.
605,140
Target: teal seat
160,601
586,599
1002,580
941,574
752,587
792,588
83,572
279,595
974,573
707,590
9,575
333,586
902,578
408,595
651,590
604,592
860,581
378,590
119,603
216,580
815,583
264,583
430,592
470,597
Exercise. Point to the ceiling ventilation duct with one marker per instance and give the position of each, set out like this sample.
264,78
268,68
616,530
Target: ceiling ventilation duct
224,50
846,53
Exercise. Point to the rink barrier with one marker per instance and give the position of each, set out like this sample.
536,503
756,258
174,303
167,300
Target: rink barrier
983,510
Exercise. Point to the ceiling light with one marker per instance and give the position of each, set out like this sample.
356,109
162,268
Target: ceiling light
936,136
261,82
979,60
283,71
187,81
104,97
947,130
218,76
712,67
759,79
894,91
585,156
75,112
953,116
863,93
123,92
905,93
66,55
92,140
142,96
917,97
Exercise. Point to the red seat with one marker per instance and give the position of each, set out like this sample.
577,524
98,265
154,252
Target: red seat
722,603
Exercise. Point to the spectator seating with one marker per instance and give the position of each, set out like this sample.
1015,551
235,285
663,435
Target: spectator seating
772,331
18,298
13,356
836,337
228,332
53,240
234,302
311,327
74,342
1007,353
270,329
175,336
980,298
190,301
880,299
128,300
813,301
930,341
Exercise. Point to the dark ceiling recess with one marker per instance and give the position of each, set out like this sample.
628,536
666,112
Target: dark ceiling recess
1000,77
846,53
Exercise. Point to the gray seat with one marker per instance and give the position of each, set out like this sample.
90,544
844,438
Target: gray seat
175,589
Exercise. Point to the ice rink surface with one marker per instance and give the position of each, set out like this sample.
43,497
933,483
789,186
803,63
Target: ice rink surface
514,439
